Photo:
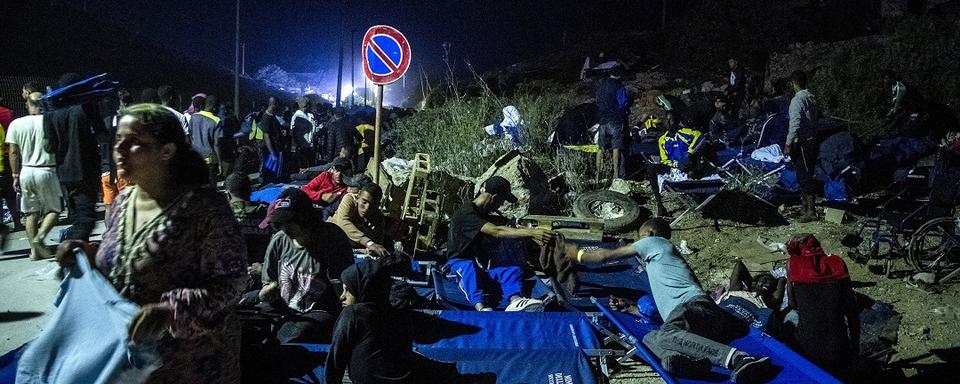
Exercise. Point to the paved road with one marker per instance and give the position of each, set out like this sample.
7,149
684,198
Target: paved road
27,290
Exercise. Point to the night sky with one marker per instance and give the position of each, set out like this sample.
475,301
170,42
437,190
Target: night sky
302,36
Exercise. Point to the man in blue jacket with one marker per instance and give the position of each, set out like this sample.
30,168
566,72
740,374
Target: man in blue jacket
613,108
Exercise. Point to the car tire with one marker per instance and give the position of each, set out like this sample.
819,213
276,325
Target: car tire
618,211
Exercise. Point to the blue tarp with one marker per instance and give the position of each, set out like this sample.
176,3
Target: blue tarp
795,368
268,193
519,347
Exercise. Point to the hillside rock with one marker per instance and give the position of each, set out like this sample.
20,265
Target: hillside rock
527,181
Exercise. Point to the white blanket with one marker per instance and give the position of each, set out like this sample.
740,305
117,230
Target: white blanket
768,154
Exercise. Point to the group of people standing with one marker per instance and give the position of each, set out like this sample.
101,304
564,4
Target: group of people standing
177,247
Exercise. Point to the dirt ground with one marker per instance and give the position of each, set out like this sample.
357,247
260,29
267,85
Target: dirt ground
928,347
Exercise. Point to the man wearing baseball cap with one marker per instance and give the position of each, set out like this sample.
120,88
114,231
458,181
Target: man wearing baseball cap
301,260
474,266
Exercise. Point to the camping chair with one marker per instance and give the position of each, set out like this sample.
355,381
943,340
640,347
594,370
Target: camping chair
628,331
649,155
694,194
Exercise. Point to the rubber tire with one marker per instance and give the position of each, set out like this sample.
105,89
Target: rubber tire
581,208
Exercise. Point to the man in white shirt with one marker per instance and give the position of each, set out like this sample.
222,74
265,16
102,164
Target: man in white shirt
302,126
35,176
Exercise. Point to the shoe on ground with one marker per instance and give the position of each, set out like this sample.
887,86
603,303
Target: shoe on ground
486,309
525,304
685,249
685,366
751,369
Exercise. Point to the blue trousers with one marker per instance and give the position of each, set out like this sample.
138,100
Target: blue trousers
476,282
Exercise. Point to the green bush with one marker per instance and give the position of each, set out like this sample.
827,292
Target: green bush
452,132
924,52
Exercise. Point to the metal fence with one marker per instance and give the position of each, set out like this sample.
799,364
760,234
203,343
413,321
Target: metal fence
12,86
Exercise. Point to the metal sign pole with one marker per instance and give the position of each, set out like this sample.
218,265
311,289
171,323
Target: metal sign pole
376,136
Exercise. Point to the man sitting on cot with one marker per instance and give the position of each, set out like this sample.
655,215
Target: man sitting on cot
696,330
474,265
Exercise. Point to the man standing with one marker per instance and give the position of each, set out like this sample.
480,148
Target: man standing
7,193
29,88
802,145
168,97
205,134
341,137
695,328
273,150
736,87
70,134
34,175
474,264
302,126
360,218
110,184
613,108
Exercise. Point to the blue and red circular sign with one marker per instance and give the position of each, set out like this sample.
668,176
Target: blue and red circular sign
386,54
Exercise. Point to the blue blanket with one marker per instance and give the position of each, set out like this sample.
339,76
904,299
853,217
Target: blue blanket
268,193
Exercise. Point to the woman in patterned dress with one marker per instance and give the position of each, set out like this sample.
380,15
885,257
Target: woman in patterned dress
172,247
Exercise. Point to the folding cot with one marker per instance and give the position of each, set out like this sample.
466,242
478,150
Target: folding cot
621,278
629,331
549,347
519,347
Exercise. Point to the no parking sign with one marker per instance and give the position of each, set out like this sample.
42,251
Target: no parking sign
386,54
386,57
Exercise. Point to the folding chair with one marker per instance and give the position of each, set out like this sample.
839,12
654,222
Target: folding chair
687,191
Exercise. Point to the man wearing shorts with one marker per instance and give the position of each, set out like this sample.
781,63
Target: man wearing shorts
613,108
35,176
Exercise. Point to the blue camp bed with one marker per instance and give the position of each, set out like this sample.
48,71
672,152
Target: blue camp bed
449,295
632,329
303,363
519,347
620,278
554,347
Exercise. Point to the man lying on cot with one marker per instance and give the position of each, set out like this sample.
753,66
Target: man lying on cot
696,330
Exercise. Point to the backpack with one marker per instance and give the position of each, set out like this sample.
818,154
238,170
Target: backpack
249,126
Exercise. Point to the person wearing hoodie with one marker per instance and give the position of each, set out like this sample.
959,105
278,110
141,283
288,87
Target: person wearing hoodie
370,337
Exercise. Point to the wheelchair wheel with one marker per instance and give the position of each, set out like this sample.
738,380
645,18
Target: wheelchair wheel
935,245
